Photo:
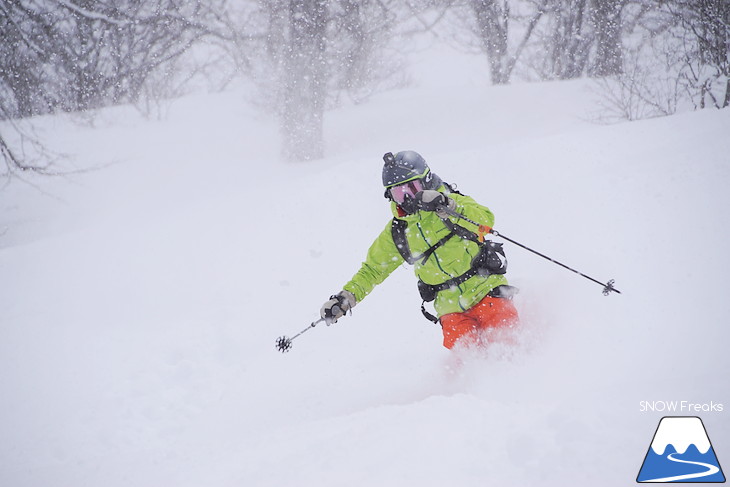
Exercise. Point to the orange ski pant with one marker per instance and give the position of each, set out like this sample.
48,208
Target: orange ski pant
488,313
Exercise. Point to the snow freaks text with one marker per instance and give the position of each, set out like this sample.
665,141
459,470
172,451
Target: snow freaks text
680,407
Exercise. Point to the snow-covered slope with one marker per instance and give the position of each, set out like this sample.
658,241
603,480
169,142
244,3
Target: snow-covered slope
141,302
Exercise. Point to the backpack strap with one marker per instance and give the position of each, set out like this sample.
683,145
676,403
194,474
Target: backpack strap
454,281
430,317
398,232
462,232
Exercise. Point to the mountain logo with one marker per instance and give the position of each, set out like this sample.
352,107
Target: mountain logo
681,452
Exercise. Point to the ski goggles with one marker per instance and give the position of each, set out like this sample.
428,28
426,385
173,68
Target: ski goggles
400,192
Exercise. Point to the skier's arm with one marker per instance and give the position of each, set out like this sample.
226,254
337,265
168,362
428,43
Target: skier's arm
472,210
382,259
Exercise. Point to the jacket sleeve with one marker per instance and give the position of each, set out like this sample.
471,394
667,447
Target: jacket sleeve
472,210
382,259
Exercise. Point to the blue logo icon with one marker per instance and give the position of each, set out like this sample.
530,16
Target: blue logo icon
681,452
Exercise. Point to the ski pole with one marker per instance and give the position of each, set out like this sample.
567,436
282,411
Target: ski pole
483,229
283,343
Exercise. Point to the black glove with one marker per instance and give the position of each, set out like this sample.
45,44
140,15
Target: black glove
432,200
336,307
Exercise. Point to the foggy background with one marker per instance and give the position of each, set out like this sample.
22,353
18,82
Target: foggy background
648,57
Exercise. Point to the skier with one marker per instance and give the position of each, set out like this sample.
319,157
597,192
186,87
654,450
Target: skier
456,268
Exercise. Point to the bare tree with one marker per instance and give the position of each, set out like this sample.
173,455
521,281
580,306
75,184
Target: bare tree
493,20
679,57
313,51
646,87
705,40
566,40
605,17
305,80
22,152
24,54
79,54
552,39
76,55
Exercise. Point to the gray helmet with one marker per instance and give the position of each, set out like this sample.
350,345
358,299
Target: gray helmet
407,166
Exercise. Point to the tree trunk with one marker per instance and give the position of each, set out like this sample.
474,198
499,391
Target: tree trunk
492,30
606,19
568,46
305,80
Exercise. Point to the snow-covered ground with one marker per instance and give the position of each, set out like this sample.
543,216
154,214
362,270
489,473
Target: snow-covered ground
140,302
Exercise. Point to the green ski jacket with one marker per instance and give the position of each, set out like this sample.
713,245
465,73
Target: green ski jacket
450,260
